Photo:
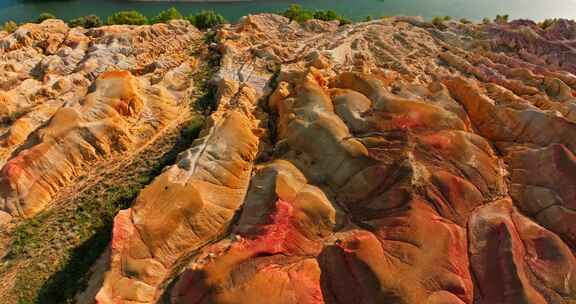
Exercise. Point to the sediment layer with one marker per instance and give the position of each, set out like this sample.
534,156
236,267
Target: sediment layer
390,161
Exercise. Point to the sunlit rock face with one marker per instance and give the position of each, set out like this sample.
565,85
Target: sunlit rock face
72,97
109,121
389,161
364,198
410,165
198,197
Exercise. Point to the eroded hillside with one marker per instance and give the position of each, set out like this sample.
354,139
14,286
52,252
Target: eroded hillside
390,161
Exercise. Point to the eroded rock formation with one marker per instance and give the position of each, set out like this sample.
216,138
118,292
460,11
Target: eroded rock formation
389,161
198,195
408,180
71,97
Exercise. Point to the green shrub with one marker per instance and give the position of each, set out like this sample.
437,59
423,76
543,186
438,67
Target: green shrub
45,16
465,21
193,128
127,17
438,21
486,20
297,13
206,19
344,20
167,15
330,15
89,21
547,23
10,26
327,15
501,19
368,18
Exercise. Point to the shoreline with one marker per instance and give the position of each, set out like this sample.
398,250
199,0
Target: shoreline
21,11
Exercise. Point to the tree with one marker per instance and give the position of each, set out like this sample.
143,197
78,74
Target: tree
327,15
330,15
127,17
501,19
344,20
206,19
438,21
296,13
167,15
10,26
45,16
548,23
89,21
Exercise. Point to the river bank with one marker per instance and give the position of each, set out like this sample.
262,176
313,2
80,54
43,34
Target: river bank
27,10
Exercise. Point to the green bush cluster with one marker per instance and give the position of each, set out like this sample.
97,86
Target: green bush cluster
89,21
202,20
439,20
548,23
299,14
45,16
127,17
10,26
501,19
167,15
206,19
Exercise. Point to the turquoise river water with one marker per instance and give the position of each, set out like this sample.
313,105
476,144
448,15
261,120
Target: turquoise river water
21,10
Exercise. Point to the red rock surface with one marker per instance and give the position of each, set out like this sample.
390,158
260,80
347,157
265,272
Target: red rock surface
71,97
402,164
389,161
198,197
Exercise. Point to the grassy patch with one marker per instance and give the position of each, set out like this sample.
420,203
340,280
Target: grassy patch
204,91
54,251
50,255
59,246
86,228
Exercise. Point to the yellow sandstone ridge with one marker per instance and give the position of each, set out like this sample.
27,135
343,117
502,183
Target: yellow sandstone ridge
121,115
198,196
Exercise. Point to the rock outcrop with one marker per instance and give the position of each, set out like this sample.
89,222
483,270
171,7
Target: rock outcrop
389,161
72,97
198,197
117,117
420,168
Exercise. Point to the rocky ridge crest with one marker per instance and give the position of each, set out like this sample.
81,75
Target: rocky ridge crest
383,161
